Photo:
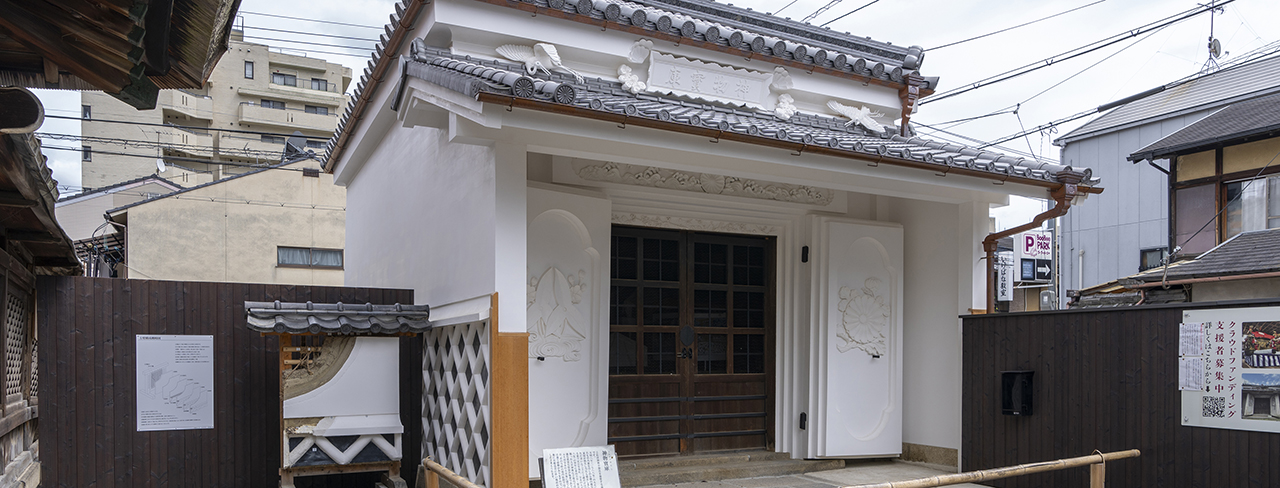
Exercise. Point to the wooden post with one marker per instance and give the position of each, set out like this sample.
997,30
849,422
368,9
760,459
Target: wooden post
510,407
1097,475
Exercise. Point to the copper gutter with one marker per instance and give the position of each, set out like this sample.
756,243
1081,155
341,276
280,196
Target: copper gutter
1210,279
798,147
1062,196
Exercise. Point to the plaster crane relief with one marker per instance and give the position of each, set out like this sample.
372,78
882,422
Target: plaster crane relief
557,330
630,81
541,57
864,316
861,116
705,183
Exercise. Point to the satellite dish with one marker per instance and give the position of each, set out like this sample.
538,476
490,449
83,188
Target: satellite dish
160,165
1215,48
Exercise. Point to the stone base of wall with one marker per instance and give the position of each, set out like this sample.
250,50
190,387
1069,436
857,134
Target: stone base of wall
921,453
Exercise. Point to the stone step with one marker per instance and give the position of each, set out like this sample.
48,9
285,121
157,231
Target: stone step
685,469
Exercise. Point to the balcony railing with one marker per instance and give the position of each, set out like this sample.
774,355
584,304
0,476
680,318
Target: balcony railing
307,84
188,104
287,117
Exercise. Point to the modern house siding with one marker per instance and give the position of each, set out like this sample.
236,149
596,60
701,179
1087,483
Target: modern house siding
1131,215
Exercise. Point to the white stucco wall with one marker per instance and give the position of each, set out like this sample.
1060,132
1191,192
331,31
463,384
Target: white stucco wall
931,325
423,218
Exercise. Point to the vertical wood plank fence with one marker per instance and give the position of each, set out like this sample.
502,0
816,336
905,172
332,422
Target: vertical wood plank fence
86,329
1105,379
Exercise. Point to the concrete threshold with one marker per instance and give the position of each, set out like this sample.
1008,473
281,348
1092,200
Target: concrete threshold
855,472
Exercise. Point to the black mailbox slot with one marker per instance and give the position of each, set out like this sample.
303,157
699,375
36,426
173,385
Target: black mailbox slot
1015,392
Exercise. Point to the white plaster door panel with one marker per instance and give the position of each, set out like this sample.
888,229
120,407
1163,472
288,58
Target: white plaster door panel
568,278
856,410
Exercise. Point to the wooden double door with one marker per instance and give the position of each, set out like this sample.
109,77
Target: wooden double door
691,341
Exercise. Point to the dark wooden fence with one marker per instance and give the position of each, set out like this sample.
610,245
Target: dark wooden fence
86,330
1107,380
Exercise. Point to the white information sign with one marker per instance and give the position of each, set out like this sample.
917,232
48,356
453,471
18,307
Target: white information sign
1004,276
580,467
1239,379
1034,244
175,382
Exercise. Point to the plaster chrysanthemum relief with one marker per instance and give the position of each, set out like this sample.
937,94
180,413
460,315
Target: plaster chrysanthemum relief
555,329
864,316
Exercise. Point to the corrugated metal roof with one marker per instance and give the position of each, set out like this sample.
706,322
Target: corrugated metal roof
474,76
1255,117
1218,88
336,318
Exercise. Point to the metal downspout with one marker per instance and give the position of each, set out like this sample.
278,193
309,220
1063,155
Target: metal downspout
1062,196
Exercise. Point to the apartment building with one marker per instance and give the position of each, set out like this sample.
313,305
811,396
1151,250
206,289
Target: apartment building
217,131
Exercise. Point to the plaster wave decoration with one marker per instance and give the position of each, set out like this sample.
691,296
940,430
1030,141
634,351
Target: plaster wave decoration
556,324
688,223
861,116
705,183
864,316
541,57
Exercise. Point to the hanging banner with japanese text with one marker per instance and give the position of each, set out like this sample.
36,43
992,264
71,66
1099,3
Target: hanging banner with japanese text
1229,368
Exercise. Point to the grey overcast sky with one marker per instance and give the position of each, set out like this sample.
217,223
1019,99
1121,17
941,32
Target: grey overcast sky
1131,66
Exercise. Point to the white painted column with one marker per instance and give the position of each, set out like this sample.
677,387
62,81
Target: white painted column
510,229
972,273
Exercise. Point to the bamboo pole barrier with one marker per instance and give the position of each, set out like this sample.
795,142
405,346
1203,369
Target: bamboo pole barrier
435,469
1098,460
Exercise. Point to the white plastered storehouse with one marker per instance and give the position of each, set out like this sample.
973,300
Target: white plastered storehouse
704,252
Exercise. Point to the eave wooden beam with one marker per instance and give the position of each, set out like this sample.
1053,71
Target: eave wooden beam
15,199
46,39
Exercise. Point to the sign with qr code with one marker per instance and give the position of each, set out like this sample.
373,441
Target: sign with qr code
1235,356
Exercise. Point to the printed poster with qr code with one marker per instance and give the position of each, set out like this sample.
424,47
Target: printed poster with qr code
1229,368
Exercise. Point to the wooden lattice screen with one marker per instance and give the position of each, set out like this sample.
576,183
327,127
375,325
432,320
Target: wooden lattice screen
456,367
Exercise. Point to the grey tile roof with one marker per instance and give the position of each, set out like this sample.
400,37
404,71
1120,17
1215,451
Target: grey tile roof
1205,92
473,77
336,318
706,23
1254,118
309,155
1246,253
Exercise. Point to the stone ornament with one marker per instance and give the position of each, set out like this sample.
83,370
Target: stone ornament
704,183
541,57
630,81
785,108
557,330
861,116
864,315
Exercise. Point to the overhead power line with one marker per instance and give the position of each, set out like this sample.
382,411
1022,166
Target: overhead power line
312,34
172,158
273,39
149,124
820,10
1077,52
850,13
231,151
784,7
312,20
1007,29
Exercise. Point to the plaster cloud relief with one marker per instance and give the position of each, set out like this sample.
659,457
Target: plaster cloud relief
705,183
